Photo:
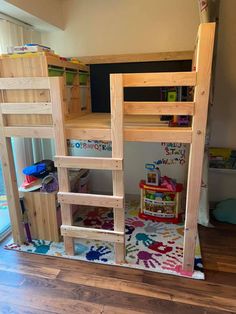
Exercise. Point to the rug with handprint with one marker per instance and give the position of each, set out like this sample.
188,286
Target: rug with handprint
152,246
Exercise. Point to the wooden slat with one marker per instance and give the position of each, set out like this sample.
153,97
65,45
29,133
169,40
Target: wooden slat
88,134
201,96
117,138
58,115
133,134
90,199
16,83
159,79
89,162
138,57
158,108
94,234
173,135
29,132
26,108
9,174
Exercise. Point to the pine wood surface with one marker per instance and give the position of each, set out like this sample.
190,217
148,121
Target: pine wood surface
138,57
204,54
30,283
140,128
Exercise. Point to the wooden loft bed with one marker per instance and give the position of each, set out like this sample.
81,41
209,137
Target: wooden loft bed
128,121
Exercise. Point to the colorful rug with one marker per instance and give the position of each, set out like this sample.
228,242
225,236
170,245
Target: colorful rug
4,216
151,246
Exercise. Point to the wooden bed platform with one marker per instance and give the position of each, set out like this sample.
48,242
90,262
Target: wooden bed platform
138,128
128,121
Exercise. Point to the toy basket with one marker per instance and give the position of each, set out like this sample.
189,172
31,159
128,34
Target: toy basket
159,203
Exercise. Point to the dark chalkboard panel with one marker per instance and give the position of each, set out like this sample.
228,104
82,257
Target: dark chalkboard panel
100,91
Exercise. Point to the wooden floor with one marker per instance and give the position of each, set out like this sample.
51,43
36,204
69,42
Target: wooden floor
38,284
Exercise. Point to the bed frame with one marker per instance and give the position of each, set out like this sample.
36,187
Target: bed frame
128,121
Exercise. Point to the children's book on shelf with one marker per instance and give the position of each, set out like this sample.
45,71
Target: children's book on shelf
222,158
28,48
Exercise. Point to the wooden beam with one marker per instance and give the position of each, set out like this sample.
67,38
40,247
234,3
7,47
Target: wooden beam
15,83
158,108
90,233
138,57
90,199
58,115
172,135
29,132
26,108
159,79
89,162
9,174
201,96
88,134
136,134
117,138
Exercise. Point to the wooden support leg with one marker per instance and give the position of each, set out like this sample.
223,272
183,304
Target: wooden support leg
192,203
203,61
9,175
119,215
66,211
58,114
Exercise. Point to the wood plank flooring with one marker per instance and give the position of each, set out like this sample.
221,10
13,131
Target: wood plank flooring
31,283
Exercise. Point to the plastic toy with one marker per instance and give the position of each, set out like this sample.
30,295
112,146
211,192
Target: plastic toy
153,174
161,203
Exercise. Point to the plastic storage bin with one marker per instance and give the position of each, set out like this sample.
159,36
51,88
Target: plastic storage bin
161,204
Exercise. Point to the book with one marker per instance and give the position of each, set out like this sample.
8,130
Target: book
28,48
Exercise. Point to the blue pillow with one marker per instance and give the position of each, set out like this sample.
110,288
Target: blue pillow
226,211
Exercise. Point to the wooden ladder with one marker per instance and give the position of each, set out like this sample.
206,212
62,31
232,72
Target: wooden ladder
115,164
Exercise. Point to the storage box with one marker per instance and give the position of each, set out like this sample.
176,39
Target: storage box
54,71
43,215
83,78
70,75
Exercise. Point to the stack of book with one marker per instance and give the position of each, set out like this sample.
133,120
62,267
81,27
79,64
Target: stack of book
28,48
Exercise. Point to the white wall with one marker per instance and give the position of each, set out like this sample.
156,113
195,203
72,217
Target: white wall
95,27
172,162
223,117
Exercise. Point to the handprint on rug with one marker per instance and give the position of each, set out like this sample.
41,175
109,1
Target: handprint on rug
135,222
129,231
96,254
160,247
147,259
130,249
40,246
144,238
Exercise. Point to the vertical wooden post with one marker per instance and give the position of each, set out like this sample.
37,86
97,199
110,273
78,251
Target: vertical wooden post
9,174
117,138
58,116
201,96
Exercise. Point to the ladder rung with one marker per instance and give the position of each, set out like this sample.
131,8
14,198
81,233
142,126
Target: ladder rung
89,162
91,199
26,108
91,233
